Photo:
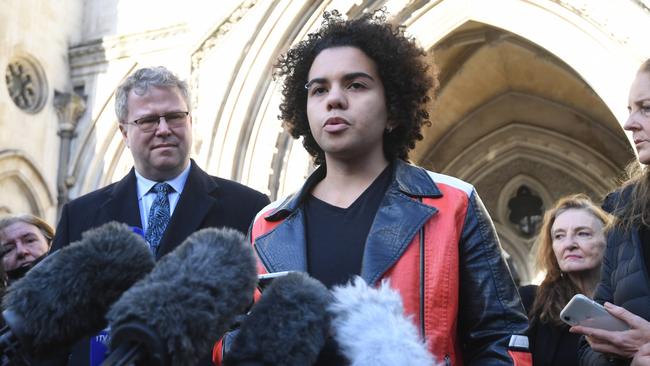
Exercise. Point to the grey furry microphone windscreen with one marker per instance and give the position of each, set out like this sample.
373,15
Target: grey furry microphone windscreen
187,302
66,296
288,326
370,327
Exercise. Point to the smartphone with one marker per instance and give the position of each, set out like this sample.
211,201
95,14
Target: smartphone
264,280
582,310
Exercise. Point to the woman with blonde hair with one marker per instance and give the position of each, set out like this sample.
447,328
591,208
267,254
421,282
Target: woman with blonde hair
570,248
624,288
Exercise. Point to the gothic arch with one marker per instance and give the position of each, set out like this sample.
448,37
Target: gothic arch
99,157
20,176
511,187
613,43
236,137
245,136
237,134
519,255
521,141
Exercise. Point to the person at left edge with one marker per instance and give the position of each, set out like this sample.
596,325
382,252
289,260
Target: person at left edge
25,239
153,111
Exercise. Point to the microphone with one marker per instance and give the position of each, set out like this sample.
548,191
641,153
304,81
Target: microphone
288,326
188,301
371,329
66,296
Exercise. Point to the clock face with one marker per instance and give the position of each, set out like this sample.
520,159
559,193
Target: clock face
26,84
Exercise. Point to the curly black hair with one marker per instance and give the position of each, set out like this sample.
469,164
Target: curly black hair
403,69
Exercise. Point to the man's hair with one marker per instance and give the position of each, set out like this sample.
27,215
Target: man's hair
143,79
44,227
401,64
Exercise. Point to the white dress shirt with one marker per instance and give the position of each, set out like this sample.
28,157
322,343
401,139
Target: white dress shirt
146,196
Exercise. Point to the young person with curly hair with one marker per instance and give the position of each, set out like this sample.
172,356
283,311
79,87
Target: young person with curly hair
357,91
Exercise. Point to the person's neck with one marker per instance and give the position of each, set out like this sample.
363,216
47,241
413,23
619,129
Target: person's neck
162,176
586,280
346,180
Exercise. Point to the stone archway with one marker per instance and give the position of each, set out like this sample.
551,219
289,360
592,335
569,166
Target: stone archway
24,189
462,33
238,136
514,101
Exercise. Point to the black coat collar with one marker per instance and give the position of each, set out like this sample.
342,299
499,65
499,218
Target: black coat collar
193,205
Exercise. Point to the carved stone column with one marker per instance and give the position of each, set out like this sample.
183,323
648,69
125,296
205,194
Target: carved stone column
69,108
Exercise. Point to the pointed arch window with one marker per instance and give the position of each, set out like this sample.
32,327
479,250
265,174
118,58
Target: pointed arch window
525,211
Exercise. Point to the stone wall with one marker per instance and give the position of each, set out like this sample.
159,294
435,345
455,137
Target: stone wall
34,40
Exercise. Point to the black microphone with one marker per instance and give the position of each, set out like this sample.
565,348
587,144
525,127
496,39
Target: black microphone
288,326
370,327
189,300
66,296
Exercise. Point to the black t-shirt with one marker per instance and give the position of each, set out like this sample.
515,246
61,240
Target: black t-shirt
336,238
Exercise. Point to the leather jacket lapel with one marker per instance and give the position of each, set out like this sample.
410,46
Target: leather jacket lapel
399,217
396,223
284,248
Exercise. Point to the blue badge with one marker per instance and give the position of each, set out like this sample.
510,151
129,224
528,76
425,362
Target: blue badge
99,347
137,230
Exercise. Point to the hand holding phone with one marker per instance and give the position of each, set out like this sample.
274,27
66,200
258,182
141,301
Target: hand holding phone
582,310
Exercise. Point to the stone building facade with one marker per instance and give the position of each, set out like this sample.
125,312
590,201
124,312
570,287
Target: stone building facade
532,98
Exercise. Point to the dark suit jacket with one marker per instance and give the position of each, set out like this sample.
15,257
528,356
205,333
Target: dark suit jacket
206,201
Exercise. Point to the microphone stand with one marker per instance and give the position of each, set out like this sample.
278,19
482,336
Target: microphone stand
136,344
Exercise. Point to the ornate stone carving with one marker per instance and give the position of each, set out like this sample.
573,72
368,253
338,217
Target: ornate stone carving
210,41
85,57
26,84
603,17
206,46
69,108
644,4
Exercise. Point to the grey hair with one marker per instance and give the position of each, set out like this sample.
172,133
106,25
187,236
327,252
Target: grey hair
44,227
143,79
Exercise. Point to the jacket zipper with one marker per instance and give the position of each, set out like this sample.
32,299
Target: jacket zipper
422,332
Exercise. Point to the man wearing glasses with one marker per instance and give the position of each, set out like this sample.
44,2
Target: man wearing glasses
166,194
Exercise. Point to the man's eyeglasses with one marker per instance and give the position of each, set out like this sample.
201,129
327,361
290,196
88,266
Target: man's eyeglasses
150,123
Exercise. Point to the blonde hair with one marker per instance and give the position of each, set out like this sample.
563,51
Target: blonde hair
556,290
633,210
